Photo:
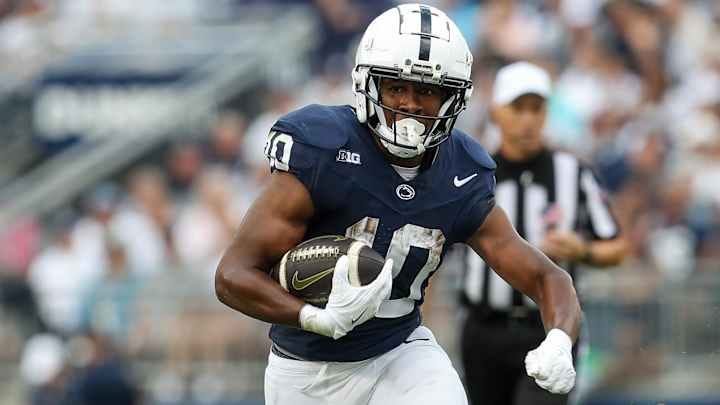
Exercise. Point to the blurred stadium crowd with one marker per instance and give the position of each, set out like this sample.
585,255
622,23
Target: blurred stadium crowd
125,270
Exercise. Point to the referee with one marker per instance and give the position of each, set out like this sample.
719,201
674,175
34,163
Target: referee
556,203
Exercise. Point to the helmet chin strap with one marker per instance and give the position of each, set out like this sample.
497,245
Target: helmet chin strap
409,133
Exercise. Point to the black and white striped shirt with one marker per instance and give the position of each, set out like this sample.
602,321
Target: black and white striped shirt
553,190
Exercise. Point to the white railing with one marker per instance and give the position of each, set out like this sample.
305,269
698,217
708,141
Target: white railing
651,339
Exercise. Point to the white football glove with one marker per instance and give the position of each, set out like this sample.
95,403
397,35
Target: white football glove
348,306
551,363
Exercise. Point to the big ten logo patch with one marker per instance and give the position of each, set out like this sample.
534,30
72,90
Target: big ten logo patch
348,157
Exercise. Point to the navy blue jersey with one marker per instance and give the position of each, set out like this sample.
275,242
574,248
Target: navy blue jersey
357,193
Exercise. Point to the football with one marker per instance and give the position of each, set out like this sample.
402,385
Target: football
306,270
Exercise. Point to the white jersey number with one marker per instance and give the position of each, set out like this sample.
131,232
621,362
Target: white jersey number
408,236
277,149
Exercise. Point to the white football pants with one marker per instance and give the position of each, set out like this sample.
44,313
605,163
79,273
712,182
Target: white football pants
415,373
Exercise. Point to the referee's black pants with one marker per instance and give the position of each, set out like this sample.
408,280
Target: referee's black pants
493,356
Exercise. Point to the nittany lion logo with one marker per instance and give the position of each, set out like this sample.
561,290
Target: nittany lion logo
405,192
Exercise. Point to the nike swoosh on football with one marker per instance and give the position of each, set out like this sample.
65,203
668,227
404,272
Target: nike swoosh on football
416,339
359,316
299,284
460,183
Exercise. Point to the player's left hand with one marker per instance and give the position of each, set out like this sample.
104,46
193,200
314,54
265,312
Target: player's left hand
551,363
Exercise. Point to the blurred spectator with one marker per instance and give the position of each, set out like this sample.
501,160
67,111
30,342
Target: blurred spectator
109,307
43,368
19,243
104,379
330,86
279,102
580,14
195,337
58,279
226,140
691,30
184,162
341,23
594,89
517,30
89,233
21,33
19,313
162,300
143,223
205,226
231,149
637,34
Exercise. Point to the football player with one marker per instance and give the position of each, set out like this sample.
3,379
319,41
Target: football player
393,172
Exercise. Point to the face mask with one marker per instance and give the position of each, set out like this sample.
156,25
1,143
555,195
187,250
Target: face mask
409,133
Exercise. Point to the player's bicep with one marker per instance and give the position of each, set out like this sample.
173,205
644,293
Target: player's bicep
510,256
275,223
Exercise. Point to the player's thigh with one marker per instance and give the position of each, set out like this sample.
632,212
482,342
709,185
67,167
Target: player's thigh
287,384
318,383
420,373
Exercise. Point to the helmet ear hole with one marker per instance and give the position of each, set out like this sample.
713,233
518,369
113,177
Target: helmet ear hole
468,94
359,78
373,87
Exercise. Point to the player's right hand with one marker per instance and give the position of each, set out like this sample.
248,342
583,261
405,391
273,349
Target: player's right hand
551,364
348,306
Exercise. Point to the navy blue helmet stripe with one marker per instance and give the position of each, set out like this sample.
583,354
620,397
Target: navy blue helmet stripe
425,31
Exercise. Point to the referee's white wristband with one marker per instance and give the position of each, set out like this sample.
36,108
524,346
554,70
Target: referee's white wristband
314,319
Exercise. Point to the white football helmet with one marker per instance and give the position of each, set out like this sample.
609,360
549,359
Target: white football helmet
417,43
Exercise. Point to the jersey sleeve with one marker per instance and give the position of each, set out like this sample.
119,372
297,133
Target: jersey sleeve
481,198
476,208
599,220
304,143
286,154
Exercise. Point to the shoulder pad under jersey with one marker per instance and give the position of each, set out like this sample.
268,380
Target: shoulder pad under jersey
324,127
475,150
